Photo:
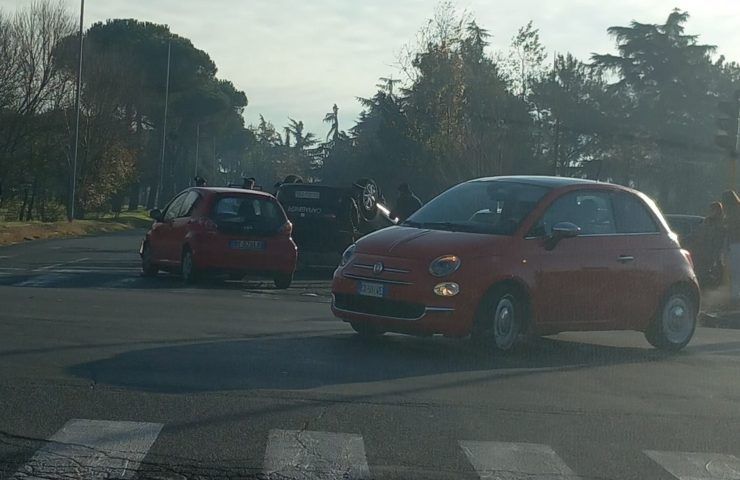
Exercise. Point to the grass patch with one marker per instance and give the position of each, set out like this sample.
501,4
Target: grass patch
18,232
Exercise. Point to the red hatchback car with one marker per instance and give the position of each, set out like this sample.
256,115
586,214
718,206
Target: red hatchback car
499,257
223,230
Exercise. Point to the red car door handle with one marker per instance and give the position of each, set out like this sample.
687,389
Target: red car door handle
625,258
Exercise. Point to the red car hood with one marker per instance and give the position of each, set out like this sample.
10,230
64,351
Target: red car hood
415,243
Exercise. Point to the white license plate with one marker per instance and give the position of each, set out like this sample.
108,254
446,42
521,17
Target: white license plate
367,289
311,195
254,245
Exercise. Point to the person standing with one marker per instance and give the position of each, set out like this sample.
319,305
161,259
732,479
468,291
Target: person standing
407,203
731,204
711,241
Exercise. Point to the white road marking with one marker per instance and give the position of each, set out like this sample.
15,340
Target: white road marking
516,461
697,466
304,455
57,265
92,449
45,280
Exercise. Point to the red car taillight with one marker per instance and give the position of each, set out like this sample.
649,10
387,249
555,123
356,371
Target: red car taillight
286,229
208,224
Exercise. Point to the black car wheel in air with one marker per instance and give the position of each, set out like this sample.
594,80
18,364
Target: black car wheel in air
368,196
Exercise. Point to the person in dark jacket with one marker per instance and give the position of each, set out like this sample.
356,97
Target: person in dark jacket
407,203
200,182
731,204
708,250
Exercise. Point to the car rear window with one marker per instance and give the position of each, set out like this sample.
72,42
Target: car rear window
248,214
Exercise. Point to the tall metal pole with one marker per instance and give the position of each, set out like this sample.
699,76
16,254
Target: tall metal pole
164,124
77,119
733,160
197,148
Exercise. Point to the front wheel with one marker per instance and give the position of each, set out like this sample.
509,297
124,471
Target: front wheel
283,280
190,274
675,323
148,268
499,321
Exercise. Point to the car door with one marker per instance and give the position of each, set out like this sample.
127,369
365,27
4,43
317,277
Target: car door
161,238
180,225
574,284
638,266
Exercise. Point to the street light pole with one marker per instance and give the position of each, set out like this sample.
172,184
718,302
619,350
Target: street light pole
164,124
77,119
197,148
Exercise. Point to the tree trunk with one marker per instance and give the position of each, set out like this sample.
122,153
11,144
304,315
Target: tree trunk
29,211
22,212
133,196
151,197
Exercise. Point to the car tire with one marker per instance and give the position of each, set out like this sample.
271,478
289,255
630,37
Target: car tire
675,323
368,196
500,320
148,268
283,280
366,331
190,274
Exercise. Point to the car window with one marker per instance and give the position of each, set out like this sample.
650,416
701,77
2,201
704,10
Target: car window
494,207
247,213
188,204
631,214
591,211
174,208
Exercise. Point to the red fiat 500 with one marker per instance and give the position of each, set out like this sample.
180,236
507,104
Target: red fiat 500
498,257
226,230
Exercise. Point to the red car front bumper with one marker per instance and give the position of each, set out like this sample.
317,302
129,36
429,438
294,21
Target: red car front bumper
410,309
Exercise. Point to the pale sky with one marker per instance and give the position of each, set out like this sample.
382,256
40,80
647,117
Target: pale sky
296,58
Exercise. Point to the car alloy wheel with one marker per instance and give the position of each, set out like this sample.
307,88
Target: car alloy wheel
499,321
369,196
505,323
675,323
147,267
189,274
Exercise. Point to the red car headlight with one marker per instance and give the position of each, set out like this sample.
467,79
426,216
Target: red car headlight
445,265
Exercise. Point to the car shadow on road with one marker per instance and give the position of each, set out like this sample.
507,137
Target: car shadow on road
296,363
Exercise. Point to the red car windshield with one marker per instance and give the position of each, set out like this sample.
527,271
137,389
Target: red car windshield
492,207
248,214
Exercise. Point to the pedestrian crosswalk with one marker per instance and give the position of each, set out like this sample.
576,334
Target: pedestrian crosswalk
93,449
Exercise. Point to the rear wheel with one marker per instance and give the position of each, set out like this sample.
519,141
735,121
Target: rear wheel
675,323
190,274
499,321
366,331
148,268
283,280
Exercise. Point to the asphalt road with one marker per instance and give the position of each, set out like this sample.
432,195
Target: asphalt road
104,374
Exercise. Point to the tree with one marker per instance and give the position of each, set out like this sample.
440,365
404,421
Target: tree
526,57
332,118
665,77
